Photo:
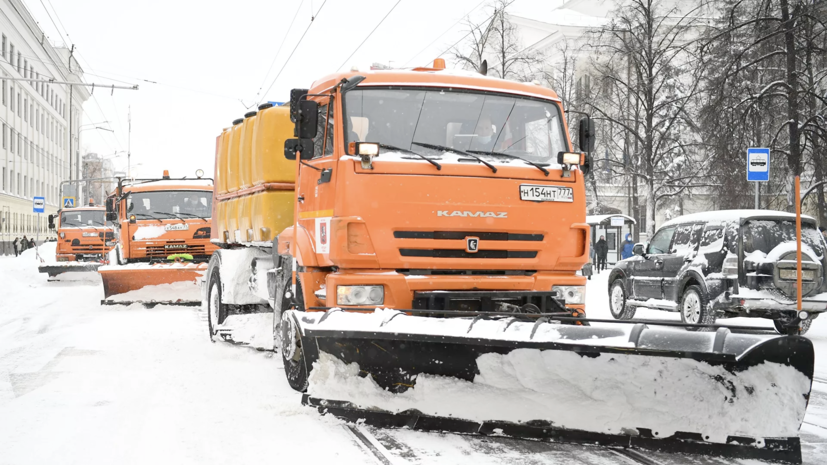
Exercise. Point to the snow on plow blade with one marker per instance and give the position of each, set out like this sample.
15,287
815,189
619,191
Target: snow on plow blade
55,269
152,284
713,393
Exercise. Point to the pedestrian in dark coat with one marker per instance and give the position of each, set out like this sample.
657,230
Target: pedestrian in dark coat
628,248
601,250
24,244
16,244
32,244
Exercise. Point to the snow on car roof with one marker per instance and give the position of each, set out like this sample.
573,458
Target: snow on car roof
724,215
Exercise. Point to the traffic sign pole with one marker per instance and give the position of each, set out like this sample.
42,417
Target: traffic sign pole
38,206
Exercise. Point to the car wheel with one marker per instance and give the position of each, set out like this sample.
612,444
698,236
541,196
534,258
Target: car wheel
694,308
618,306
216,310
781,326
290,341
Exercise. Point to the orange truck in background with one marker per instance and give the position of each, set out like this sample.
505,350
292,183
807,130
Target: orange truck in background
163,228
420,189
84,239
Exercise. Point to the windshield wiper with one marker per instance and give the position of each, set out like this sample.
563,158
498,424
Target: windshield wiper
508,155
149,216
449,149
192,215
392,147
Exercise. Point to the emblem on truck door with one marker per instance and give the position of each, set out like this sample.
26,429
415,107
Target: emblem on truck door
472,244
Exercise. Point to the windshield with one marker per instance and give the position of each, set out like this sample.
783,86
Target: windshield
81,218
765,235
170,204
479,123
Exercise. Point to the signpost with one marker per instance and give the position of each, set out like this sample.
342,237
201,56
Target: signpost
758,169
38,206
68,202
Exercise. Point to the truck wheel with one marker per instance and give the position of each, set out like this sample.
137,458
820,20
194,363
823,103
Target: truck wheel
216,310
781,326
290,341
617,301
694,308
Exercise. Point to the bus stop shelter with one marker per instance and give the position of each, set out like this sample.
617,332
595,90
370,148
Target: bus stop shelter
614,228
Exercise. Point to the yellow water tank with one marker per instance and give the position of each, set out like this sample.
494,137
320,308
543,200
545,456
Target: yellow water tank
232,219
221,161
220,220
233,155
245,222
272,128
245,161
272,211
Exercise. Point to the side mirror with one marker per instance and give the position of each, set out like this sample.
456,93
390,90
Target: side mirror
308,123
639,249
111,217
305,146
51,221
110,204
587,135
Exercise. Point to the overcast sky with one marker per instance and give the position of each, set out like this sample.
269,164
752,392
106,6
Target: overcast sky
208,60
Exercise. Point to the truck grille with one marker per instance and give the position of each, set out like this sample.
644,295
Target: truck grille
459,235
156,251
460,253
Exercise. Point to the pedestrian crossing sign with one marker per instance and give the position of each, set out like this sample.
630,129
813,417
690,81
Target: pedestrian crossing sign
68,202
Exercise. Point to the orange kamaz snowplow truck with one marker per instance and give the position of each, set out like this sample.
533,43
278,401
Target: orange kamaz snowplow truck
163,229
84,240
421,265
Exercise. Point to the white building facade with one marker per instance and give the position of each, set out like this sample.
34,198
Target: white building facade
39,145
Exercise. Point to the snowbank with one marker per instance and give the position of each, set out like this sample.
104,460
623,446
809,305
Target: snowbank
612,393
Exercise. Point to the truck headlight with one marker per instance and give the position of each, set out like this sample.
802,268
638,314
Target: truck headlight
571,294
360,295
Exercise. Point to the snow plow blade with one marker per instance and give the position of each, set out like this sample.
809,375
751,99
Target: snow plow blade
56,269
152,284
630,385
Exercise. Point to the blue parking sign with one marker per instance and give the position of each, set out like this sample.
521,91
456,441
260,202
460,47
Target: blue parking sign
758,164
39,204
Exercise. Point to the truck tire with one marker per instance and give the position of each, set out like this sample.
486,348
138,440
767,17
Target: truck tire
292,354
694,308
618,307
216,309
781,328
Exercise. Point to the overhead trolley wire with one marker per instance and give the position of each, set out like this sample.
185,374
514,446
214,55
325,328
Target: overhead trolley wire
371,33
312,20
283,40
445,32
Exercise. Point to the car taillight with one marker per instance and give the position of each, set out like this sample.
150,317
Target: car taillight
730,268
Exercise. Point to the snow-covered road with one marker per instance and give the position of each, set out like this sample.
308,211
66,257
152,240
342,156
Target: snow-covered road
82,383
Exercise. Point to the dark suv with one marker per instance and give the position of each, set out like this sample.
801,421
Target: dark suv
731,263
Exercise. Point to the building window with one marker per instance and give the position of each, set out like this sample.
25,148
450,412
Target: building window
18,104
11,93
4,168
11,55
4,91
25,68
26,109
5,130
6,57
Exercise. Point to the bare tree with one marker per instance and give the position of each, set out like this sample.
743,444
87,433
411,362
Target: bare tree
496,40
651,76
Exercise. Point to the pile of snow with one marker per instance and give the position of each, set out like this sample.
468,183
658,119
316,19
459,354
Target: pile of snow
612,393
255,329
186,291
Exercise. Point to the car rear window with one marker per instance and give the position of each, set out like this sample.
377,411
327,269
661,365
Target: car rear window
765,235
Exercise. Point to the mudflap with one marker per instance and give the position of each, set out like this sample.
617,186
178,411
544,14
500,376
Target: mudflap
55,270
783,450
125,284
394,349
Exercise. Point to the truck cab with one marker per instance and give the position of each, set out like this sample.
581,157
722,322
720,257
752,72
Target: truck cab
436,190
83,234
157,218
